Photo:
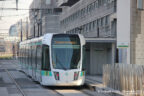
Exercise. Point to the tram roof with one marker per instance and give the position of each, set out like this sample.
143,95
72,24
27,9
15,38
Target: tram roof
43,38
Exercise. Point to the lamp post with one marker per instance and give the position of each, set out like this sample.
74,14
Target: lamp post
16,4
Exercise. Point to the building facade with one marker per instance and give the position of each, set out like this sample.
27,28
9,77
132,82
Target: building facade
44,17
96,20
130,31
113,30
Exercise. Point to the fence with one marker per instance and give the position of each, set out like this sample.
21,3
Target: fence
127,78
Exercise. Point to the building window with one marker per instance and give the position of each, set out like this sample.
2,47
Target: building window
89,27
99,22
94,24
99,3
107,20
140,4
103,21
96,4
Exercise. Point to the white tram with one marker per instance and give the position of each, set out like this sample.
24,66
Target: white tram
54,59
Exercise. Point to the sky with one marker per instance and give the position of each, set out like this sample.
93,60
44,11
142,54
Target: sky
9,17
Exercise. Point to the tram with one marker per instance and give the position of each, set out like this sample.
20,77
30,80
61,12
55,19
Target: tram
54,59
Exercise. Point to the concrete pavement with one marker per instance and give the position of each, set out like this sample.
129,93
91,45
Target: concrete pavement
95,83
31,88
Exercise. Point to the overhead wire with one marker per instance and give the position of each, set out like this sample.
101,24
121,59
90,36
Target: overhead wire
15,15
3,8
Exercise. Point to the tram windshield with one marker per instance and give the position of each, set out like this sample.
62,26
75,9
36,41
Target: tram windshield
66,52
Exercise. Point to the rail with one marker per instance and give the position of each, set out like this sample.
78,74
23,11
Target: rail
17,85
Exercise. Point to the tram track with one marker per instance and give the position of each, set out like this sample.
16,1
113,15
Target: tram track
16,84
59,92
56,91
69,91
74,93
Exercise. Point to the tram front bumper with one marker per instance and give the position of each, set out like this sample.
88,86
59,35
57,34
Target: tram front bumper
46,81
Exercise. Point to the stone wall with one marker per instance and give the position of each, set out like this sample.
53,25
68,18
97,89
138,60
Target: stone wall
137,34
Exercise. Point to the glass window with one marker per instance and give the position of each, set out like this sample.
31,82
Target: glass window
84,28
103,21
93,25
90,26
96,23
99,22
82,10
140,4
96,4
24,52
45,58
87,27
78,13
66,51
29,55
84,58
33,55
105,1
90,9
107,20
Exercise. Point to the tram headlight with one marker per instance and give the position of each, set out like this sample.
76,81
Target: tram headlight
56,74
76,75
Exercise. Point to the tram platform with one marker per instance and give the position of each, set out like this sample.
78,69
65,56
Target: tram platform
95,84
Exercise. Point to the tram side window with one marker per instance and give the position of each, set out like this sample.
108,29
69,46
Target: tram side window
22,56
39,53
19,55
29,55
25,55
45,58
33,55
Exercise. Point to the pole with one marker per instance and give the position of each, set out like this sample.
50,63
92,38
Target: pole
27,28
21,31
16,4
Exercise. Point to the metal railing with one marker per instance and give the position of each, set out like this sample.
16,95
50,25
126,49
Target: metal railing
127,78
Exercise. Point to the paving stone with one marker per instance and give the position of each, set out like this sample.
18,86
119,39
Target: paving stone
3,91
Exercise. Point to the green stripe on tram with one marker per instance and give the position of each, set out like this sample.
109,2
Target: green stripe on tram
36,43
46,73
82,73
